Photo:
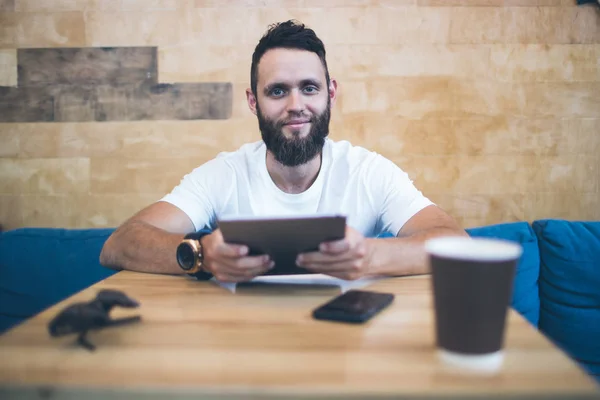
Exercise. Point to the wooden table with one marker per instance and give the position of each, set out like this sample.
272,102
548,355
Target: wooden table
198,338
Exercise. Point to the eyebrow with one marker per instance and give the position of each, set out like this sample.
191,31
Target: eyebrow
283,85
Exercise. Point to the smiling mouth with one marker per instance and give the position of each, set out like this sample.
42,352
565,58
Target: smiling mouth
297,124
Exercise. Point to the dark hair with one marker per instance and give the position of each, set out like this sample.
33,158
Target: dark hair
287,35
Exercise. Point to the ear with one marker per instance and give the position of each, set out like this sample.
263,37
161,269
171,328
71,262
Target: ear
333,87
251,98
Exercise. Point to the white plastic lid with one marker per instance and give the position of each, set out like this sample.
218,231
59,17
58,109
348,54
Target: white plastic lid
473,249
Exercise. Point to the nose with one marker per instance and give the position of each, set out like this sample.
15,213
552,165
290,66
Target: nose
295,103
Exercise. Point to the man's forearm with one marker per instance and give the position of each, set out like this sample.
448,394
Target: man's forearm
138,246
404,255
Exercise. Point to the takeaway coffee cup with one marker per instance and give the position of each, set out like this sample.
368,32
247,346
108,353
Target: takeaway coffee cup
472,285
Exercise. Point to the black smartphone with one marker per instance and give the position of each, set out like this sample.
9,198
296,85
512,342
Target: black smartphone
354,306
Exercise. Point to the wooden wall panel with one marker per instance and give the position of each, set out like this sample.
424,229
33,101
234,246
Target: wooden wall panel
491,106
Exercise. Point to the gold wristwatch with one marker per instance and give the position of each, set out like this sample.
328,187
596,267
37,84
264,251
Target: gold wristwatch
190,255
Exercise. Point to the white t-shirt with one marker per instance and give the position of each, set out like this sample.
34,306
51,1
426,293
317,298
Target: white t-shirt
373,193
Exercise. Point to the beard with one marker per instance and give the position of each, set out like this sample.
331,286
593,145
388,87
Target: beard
294,151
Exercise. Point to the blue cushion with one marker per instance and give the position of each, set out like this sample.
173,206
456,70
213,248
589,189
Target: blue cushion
570,288
385,235
525,299
42,266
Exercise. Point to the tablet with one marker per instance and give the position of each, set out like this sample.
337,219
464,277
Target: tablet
283,238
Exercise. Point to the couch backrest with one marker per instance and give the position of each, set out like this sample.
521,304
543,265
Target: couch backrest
570,288
525,297
42,266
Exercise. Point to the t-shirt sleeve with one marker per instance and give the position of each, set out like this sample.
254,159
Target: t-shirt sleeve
196,194
401,200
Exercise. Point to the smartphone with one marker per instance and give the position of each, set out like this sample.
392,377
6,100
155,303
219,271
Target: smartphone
355,306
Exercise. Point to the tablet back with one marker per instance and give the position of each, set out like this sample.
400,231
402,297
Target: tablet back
283,238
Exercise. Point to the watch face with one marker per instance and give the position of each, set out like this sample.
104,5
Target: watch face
185,256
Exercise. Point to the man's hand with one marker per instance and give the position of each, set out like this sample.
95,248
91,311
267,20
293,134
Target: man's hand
230,262
346,259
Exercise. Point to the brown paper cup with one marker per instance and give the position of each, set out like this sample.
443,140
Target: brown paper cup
472,286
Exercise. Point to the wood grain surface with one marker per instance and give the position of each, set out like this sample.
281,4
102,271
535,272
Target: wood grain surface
198,338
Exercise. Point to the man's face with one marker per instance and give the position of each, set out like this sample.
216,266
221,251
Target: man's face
292,105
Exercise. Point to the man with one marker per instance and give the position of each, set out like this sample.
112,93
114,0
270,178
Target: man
294,170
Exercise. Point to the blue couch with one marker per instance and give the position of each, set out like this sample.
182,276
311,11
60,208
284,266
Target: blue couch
557,284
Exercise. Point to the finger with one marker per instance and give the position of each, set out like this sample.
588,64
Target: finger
357,251
248,262
335,247
225,274
246,265
351,239
229,278
254,272
323,258
350,266
231,250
